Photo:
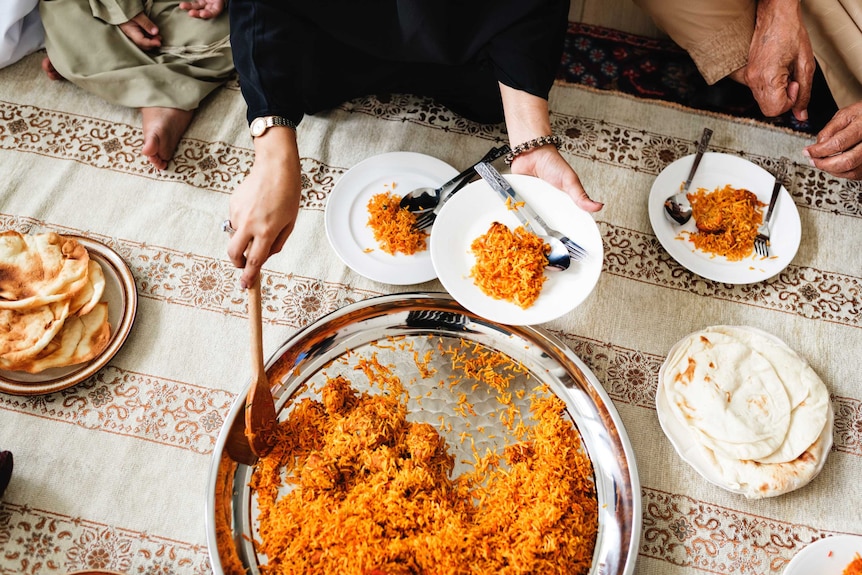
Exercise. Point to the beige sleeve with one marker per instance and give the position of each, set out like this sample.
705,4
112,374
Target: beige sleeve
835,28
116,11
715,33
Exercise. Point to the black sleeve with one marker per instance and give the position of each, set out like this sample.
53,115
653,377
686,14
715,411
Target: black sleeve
285,50
526,55
264,41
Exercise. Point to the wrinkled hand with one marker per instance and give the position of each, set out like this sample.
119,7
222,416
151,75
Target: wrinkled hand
142,32
838,149
263,210
548,164
780,60
203,9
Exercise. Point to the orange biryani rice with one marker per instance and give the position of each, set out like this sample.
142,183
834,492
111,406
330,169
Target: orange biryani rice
393,225
854,567
727,220
354,487
510,265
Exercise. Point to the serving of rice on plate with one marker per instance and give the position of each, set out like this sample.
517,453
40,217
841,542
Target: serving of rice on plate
415,439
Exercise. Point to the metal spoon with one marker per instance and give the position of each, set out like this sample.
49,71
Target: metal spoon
425,199
677,207
558,257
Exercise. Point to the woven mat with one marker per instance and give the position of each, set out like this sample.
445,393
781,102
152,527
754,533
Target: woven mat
112,472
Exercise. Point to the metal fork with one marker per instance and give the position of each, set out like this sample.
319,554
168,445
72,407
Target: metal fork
576,252
761,241
425,220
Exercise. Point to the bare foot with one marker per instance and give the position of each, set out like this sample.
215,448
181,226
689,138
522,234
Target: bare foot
163,128
49,69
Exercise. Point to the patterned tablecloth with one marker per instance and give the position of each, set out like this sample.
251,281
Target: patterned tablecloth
111,473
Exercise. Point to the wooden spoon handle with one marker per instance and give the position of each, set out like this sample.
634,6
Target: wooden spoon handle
255,320
260,416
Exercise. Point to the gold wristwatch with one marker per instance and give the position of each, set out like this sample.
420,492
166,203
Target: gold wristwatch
260,125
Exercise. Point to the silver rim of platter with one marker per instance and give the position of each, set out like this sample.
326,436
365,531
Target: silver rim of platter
230,507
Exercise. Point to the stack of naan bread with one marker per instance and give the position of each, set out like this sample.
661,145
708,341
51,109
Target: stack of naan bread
50,309
752,414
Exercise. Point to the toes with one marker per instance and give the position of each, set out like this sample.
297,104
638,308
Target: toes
152,149
151,144
49,69
158,162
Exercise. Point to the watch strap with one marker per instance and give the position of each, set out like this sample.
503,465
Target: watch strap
279,121
268,122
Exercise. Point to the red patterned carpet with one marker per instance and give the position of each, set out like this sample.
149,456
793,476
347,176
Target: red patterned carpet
657,68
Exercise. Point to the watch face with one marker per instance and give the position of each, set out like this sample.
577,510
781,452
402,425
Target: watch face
258,126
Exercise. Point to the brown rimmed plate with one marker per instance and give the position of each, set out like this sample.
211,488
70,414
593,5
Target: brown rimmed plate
421,321
122,298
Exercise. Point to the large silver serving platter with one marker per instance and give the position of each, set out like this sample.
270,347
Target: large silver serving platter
424,320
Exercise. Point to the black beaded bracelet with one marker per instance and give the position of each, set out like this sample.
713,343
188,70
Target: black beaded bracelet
531,144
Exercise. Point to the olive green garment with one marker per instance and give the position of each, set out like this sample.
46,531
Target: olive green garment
86,46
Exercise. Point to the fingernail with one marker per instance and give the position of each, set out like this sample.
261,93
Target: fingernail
243,284
806,153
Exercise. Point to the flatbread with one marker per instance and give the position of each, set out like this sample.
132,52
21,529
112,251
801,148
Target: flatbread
757,481
25,333
81,339
728,394
807,439
91,293
50,310
809,398
37,269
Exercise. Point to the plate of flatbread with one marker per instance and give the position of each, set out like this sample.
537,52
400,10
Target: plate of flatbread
745,410
67,305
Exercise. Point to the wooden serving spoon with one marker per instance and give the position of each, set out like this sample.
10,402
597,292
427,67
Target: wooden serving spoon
260,417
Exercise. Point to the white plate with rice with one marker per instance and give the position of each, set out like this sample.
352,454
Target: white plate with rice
717,170
346,215
827,556
470,213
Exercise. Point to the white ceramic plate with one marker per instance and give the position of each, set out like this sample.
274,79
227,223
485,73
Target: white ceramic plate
469,214
715,171
827,556
347,214
683,440
122,297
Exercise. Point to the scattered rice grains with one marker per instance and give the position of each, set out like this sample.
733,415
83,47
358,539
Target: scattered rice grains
727,220
392,225
370,493
510,265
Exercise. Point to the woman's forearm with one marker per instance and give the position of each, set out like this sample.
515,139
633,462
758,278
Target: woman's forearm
527,116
